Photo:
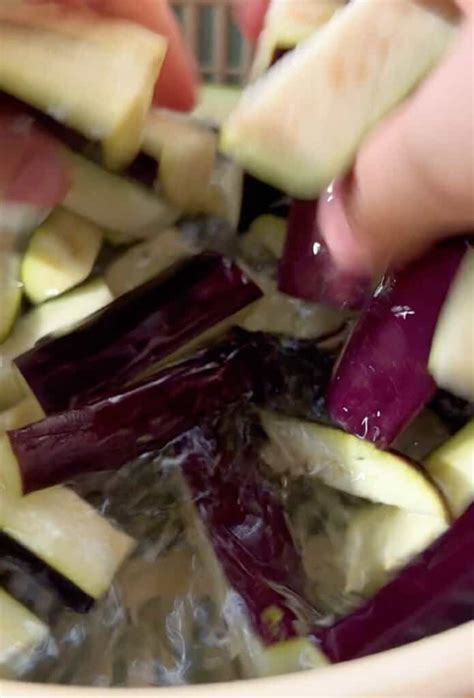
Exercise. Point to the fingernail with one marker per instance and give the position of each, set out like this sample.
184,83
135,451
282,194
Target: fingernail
337,231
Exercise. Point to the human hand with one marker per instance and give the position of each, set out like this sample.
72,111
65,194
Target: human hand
413,179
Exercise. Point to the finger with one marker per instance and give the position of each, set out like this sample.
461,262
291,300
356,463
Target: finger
413,179
250,15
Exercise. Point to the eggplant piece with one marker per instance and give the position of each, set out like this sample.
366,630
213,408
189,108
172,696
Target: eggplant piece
264,240
451,361
432,594
134,332
248,543
142,262
452,468
113,431
186,153
21,635
11,291
25,412
60,255
45,319
381,381
349,464
93,73
307,270
125,210
16,560
68,535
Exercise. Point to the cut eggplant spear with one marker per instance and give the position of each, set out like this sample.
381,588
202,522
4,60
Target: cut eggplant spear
349,464
125,210
307,270
242,531
382,381
95,75
146,260
134,332
68,535
60,255
452,468
186,153
21,635
369,54
451,361
118,428
10,284
54,316
432,594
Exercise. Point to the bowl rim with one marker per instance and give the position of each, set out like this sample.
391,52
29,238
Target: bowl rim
439,667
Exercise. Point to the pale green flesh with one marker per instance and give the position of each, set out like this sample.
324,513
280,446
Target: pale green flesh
54,316
146,260
69,535
349,464
451,361
60,255
300,125
21,633
10,286
126,210
380,540
452,468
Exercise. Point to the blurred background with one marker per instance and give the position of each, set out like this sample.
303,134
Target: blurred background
224,56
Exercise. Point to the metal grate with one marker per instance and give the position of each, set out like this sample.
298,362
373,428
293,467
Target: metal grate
224,56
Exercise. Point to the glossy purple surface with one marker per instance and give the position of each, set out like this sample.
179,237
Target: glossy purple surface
433,594
107,434
134,332
246,526
381,381
307,270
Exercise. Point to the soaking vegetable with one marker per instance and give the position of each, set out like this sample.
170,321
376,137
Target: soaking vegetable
61,254
106,434
134,332
349,464
245,527
452,468
21,635
428,596
382,381
307,270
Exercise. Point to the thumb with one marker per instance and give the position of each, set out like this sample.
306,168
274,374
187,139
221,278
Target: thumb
413,180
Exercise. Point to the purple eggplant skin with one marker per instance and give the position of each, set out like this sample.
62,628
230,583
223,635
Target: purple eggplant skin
107,434
135,331
15,560
433,594
307,270
381,381
246,526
